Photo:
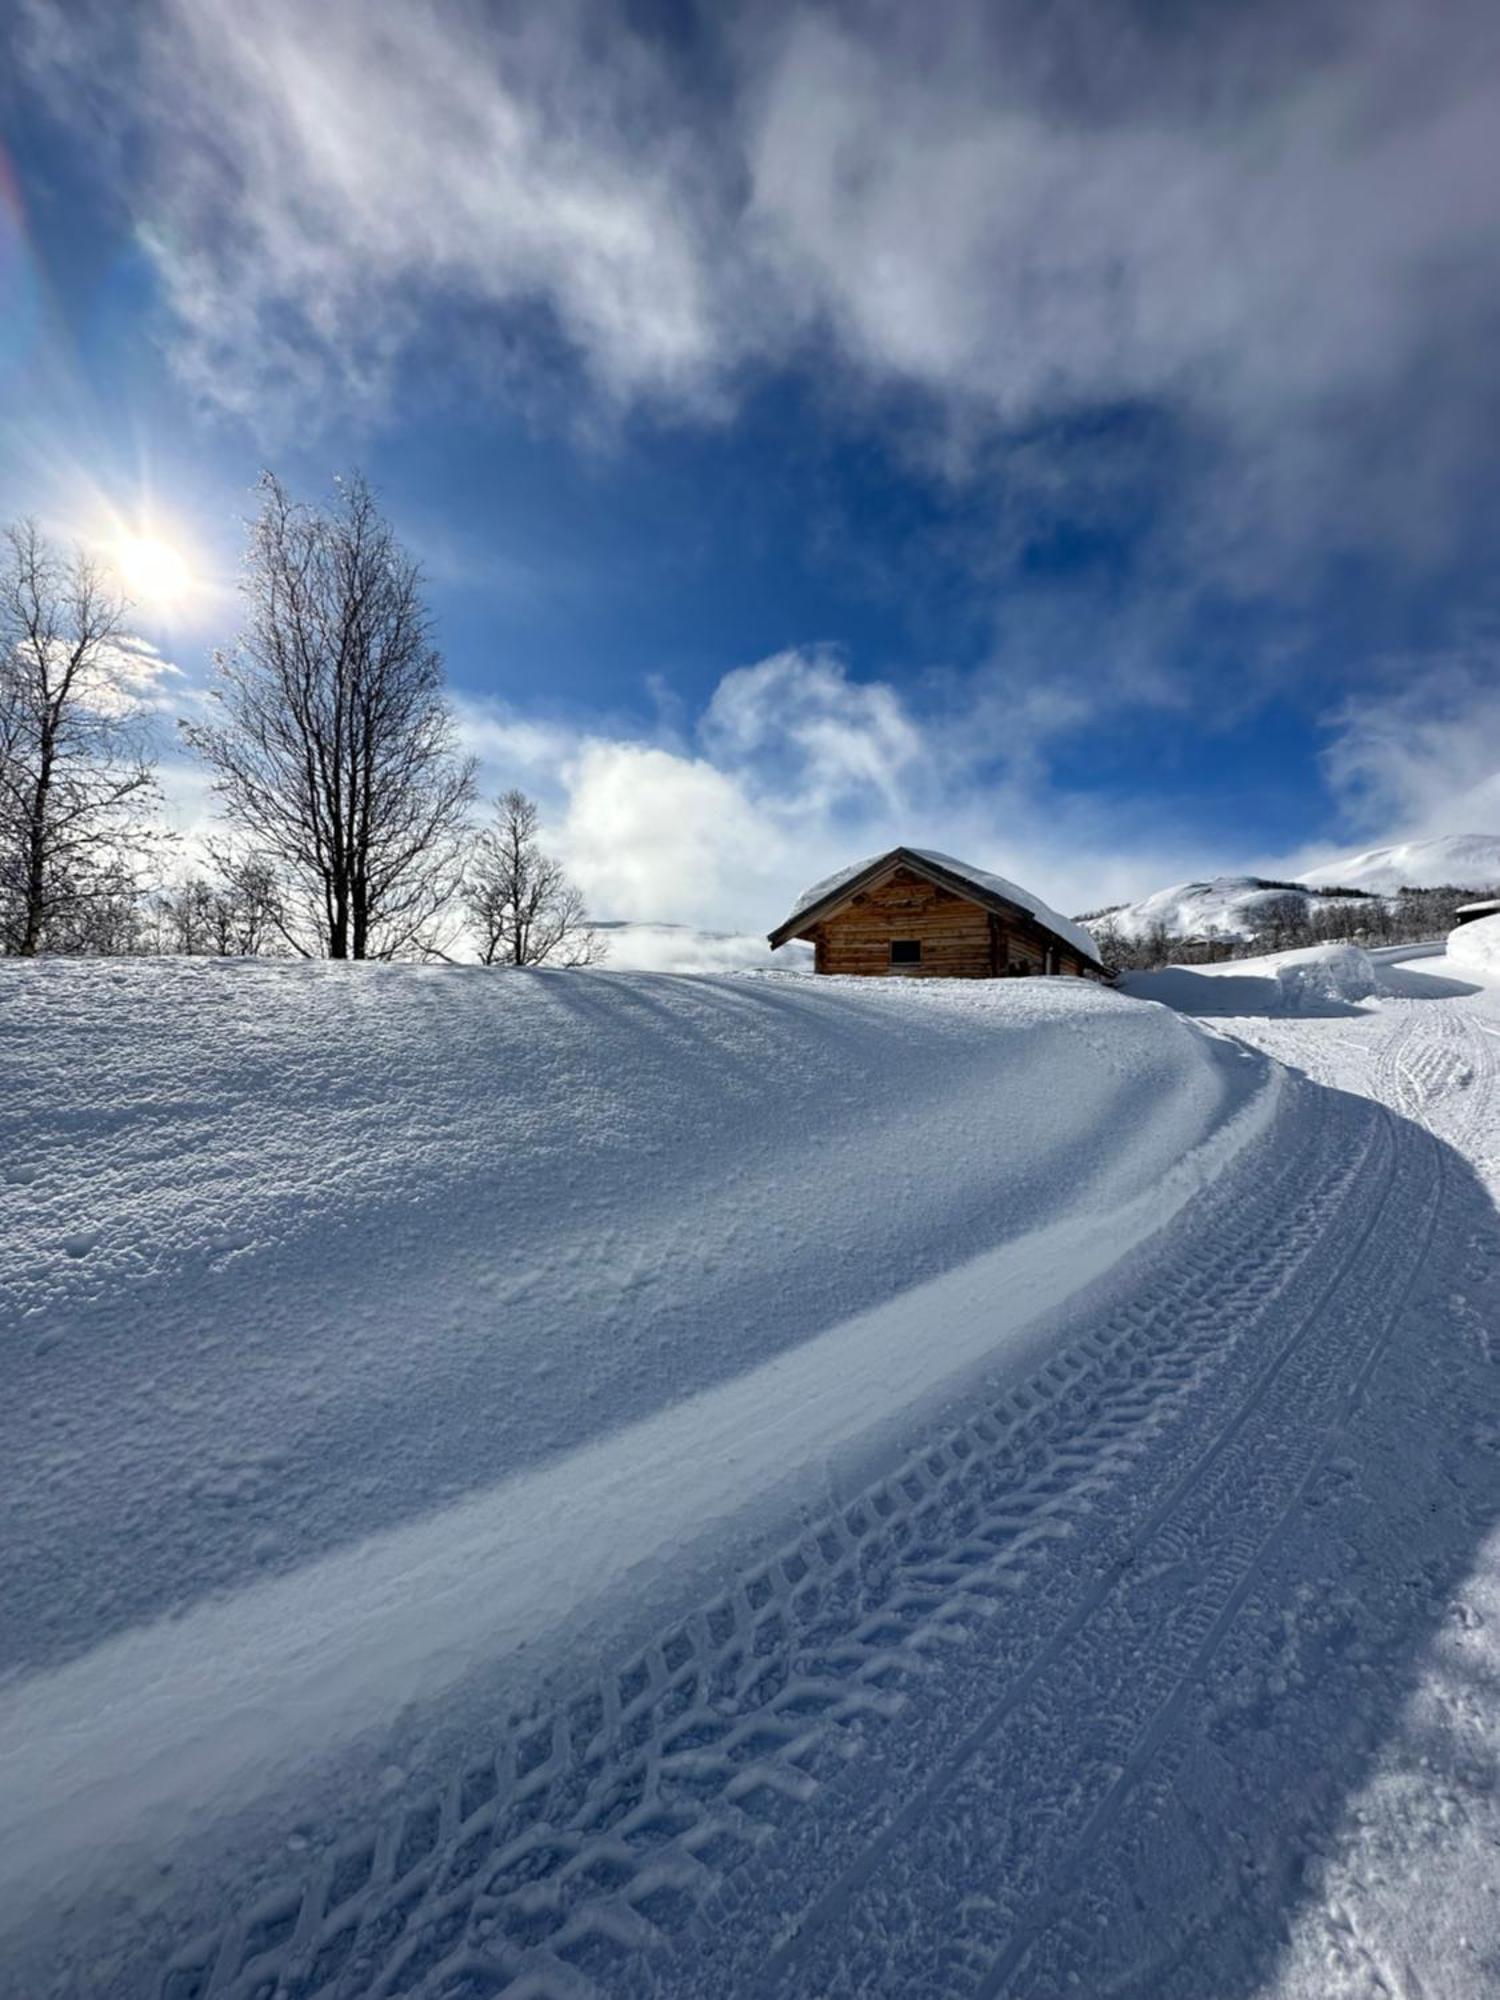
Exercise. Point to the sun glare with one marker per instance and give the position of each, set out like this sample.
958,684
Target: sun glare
152,570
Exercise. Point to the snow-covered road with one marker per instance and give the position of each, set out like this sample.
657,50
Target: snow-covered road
1109,1607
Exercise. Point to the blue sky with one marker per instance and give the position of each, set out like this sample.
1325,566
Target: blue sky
1058,435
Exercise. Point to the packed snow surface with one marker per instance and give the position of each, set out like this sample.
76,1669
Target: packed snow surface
1453,860
599,1486
996,885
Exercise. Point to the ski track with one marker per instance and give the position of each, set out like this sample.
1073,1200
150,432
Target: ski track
974,1674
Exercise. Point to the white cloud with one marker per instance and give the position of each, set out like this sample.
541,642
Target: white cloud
795,769
318,182
1422,757
832,739
1280,219
649,833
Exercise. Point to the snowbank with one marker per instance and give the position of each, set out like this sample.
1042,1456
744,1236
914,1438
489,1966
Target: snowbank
1325,972
1322,979
1476,945
374,1321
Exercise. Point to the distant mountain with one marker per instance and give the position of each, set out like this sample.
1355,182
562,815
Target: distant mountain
1456,860
1228,906
637,947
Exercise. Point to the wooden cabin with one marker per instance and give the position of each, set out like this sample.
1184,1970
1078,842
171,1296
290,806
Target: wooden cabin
913,914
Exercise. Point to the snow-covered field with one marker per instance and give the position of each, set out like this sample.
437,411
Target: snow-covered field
623,1484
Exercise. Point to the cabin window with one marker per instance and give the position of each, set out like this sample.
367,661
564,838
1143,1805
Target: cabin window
906,951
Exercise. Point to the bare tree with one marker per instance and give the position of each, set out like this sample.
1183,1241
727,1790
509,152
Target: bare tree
74,771
333,749
239,915
523,908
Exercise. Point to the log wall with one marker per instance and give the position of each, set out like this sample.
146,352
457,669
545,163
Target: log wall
959,939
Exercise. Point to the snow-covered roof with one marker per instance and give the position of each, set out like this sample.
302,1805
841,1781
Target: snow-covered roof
992,885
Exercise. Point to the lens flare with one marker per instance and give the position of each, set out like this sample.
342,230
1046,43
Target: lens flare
152,571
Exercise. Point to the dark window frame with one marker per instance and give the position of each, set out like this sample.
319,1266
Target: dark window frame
906,951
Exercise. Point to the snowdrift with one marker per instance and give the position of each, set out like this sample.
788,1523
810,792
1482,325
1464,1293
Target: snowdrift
1320,979
1476,945
379,1323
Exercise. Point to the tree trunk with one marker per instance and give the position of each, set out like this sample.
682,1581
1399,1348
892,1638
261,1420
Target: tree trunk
36,857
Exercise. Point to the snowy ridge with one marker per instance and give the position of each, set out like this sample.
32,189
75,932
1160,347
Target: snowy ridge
1453,860
996,885
1231,906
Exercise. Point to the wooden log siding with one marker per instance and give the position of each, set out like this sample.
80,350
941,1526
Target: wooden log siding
959,939
955,935
961,936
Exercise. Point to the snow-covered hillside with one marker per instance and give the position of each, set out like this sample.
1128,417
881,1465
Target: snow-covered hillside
1231,906
1455,860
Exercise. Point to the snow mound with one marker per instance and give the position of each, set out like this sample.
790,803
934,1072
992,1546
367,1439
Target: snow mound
996,885
1477,944
1325,972
1455,860
1322,979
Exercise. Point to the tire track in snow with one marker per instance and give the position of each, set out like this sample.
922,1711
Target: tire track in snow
628,1817
1081,1736
1168,1716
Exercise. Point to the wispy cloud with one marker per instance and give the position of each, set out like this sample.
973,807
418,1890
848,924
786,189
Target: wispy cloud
1280,220
793,769
317,182
1420,756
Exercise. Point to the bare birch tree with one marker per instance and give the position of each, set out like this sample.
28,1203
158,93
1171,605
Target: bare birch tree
523,908
333,749
236,915
75,773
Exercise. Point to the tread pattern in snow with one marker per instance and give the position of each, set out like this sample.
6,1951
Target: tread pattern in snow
645,1837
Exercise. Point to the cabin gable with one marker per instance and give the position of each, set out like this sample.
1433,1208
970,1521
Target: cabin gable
907,919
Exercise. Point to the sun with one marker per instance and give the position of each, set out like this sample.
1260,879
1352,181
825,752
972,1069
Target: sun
152,570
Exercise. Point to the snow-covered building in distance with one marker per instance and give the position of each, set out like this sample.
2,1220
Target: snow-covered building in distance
913,913
1470,913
